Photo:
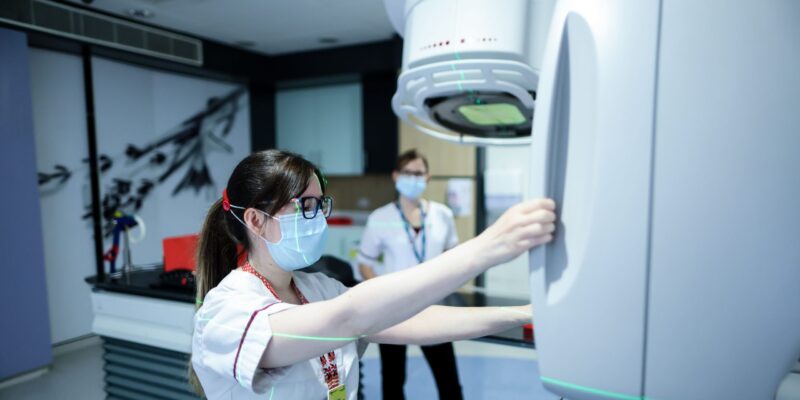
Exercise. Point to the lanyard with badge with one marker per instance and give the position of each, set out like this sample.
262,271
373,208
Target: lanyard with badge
336,390
420,255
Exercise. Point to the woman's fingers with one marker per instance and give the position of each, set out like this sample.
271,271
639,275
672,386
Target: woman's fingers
541,217
534,230
526,244
537,204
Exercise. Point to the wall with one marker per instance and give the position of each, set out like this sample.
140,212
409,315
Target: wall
140,107
133,105
24,337
361,193
59,118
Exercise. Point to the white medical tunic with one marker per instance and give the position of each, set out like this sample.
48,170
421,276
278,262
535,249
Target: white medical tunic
232,330
387,235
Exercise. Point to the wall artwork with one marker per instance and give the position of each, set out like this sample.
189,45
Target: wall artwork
144,167
166,146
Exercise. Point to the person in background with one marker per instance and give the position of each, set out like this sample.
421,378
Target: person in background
264,330
405,233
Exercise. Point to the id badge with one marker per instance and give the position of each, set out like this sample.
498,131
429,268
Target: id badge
337,393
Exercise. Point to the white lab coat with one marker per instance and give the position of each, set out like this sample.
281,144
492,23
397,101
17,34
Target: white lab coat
386,234
232,330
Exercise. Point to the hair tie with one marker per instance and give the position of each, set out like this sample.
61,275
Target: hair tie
226,204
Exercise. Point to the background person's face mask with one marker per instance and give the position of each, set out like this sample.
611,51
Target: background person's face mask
301,243
411,186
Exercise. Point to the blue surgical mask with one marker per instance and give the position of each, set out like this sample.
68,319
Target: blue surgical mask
411,186
302,241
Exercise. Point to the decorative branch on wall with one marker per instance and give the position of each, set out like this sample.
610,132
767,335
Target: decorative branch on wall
143,168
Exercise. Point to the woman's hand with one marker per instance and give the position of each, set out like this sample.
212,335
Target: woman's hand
520,228
523,314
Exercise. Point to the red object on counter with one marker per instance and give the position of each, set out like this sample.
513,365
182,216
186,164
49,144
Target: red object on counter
527,332
340,221
179,252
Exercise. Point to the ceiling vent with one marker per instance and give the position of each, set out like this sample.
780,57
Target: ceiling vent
96,28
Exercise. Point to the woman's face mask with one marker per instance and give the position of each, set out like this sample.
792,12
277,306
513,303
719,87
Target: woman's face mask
411,186
302,240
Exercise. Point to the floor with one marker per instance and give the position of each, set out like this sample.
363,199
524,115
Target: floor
76,373
487,371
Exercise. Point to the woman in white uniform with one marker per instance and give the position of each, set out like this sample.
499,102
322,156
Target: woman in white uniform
265,331
405,233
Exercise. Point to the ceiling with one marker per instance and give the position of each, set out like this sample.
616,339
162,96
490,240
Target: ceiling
271,26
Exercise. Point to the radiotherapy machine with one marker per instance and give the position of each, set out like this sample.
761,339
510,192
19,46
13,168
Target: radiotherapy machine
668,132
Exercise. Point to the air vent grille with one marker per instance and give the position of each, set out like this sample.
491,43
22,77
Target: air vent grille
96,28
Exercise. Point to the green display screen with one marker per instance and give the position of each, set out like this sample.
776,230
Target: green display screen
492,114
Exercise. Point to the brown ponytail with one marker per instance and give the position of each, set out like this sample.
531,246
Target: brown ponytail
266,180
216,257
216,252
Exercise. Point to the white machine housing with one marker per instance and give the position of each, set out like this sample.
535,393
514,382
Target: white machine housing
668,132
469,52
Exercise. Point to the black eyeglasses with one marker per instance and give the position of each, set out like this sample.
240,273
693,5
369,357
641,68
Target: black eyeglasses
412,173
311,205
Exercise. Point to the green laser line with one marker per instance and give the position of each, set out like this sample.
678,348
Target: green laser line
296,234
324,339
271,392
587,389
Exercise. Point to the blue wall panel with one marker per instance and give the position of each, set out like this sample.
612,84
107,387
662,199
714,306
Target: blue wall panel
25,329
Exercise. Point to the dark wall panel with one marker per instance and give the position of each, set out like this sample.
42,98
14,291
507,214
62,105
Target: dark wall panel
367,58
380,123
262,116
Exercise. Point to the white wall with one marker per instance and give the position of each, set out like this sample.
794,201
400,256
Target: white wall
510,279
137,106
132,105
59,119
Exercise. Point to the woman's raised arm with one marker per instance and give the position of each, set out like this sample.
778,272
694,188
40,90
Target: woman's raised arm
303,332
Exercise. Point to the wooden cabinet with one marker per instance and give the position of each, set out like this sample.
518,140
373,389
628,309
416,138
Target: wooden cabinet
445,158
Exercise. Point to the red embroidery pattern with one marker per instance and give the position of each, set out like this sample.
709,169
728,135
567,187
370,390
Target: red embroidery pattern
329,369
